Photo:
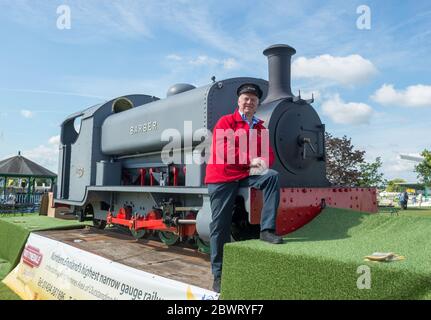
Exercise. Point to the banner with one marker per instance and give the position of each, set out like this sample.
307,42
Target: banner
51,270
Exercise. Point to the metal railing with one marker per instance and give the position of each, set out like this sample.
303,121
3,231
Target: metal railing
19,203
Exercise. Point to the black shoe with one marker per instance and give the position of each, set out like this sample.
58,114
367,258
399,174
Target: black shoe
271,237
217,284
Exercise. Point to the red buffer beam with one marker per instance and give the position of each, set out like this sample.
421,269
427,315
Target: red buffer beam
298,206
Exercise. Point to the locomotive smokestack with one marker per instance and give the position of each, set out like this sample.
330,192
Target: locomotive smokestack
279,59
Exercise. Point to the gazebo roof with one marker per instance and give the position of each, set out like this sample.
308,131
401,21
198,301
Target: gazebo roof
18,166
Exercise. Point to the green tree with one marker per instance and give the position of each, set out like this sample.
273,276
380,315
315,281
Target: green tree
342,161
423,169
370,175
392,185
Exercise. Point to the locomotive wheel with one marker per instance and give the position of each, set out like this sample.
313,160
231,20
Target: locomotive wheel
169,238
99,224
203,246
80,214
138,234
83,214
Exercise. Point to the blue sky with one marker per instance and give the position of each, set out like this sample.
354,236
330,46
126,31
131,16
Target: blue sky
373,85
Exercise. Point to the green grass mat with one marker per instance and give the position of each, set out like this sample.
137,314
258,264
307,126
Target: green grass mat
14,231
321,260
410,212
7,294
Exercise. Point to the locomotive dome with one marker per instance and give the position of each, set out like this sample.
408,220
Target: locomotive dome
179,88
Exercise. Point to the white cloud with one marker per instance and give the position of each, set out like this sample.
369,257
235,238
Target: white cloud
27,114
117,86
413,96
392,166
200,23
230,63
174,56
95,19
414,157
50,92
55,140
349,70
203,60
130,19
45,155
346,113
397,167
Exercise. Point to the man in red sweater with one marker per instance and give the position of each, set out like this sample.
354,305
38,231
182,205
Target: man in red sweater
240,157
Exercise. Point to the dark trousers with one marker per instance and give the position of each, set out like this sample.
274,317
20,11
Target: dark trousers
222,197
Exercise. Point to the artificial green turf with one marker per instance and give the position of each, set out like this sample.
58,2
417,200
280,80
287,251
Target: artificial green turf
320,260
411,211
14,232
6,293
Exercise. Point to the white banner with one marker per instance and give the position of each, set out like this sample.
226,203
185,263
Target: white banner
51,269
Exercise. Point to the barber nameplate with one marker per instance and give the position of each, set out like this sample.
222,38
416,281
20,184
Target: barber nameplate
143,128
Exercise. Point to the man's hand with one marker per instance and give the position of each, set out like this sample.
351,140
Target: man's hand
258,166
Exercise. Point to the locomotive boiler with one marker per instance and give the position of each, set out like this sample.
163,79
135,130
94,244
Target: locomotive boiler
114,167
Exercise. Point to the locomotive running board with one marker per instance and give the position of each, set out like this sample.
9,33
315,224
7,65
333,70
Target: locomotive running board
155,189
164,189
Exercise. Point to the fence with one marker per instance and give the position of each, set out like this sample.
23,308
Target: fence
34,198
19,203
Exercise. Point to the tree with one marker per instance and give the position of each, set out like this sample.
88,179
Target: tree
423,169
393,186
370,176
342,161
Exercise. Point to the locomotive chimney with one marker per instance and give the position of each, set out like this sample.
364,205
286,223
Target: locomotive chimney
279,59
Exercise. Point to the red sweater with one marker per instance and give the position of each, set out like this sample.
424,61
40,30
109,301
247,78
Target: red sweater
230,158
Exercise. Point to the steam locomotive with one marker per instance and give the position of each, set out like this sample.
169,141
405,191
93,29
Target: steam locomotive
112,168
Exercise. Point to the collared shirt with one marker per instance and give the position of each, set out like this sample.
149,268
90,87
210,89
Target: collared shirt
254,120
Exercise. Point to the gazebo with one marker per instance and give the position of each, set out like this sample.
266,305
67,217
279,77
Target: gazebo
21,167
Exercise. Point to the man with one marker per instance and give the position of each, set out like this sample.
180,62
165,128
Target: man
404,197
224,178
